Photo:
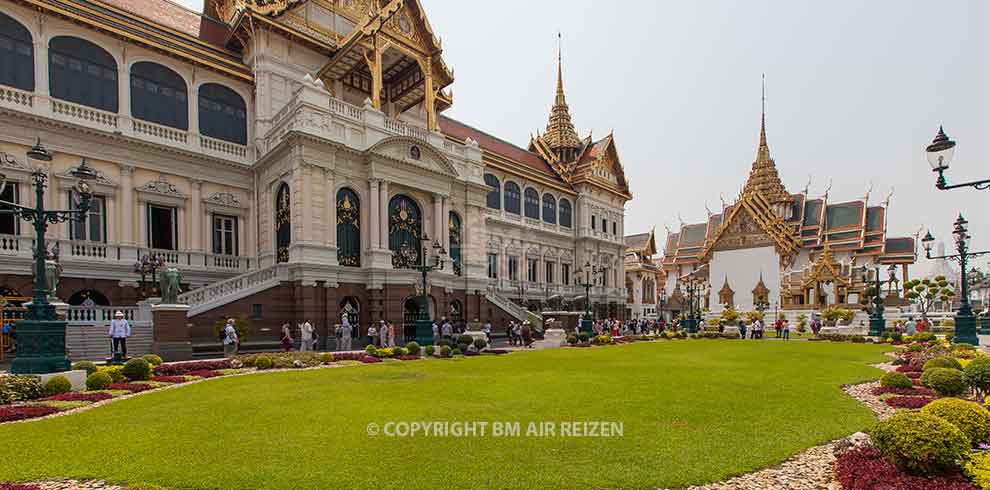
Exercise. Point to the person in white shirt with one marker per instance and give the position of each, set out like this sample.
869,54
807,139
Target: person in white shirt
120,329
344,334
230,340
488,331
436,334
306,336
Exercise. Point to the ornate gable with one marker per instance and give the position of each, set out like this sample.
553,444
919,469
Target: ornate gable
414,152
752,223
825,270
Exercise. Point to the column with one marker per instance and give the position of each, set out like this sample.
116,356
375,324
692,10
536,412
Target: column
126,225
437,213
143,225
307,197
196,216
383,215
373,226
182,241
330,235
61,201
444,226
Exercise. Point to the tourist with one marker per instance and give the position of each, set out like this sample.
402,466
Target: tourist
306,336
488,332
447,330
344,336
742,330
286,337
911,328
382,334
372,333
230,339
816,325
516,334
785,329
120,329
919,325
391,334
526,334
778,326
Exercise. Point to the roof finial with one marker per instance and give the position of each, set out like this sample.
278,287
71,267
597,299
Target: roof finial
763,118
560,77
560,136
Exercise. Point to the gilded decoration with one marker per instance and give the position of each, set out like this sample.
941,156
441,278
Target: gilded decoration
229,9
726,295
404,233
761,293
347,213
348,230
825,270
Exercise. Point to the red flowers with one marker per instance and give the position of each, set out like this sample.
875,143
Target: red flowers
866,469
132,387
907,368
10,413
19,486
168,379
181,368
904,391
76,396
369,360
204,373
912,402
408,358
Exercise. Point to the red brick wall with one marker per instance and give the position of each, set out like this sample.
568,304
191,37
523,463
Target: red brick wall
125,296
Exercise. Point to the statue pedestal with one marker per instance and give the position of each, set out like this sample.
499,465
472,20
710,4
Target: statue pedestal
731,330
171,332
554,337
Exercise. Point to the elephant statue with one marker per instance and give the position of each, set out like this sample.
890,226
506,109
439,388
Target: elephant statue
169,279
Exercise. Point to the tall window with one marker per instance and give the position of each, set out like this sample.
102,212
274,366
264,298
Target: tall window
513,268
224,234
604,225
82,72
565,274
615,229
549,209
492,266
532,203
158,94
348,228
549,276
222,114
94,228
405,228
16,55
494,199
565,213
9,224
512,197
531,274
283,222
454,231
594,223
163,230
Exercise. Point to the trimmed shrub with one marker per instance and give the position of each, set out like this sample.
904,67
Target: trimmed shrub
116,373
919,442
19,388
895,380
978,469
88,366
480,343
583,337
429,350
945,381
263,362
58,385
972,419
456,352
326,358
413,348
977,375
152,359
98,381
370,349
445,351
137,369
572,339
465,339
443,342
866,469
942,362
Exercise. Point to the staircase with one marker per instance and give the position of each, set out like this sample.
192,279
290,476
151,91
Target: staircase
91,341
517,312
224,292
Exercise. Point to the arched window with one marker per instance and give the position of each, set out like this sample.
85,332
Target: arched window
456,312
549,209
158,94
494,198
565,213
222,114
532,203
512,197
348,228
16,55
88,297
455,241
405,227
82,72
283,223
351,306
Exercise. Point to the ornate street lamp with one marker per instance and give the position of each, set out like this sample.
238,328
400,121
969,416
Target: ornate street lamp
147,266
877,322
693,285
41,335
939,154
965,321
587,275
424,326
663,299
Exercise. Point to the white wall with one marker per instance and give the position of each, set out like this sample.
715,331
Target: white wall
743,269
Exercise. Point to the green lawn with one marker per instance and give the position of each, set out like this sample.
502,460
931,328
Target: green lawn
692,411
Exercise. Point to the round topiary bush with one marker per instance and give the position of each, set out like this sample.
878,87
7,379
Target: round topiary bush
152,359
456,352
942,362
136,369
89,367
326,358
58,385
572,339
445,351
894,379
98,381
972,419
977,375
480,343
945,381
465,339
429,350
920,442
263,362
370,349
583,337
413,348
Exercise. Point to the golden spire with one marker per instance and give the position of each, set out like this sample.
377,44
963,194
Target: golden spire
763,177
560,134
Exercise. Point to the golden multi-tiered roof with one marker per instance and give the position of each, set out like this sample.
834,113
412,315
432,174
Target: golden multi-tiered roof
560,133
763,178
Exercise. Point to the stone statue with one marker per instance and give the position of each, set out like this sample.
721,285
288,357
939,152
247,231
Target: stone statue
168,280
53,271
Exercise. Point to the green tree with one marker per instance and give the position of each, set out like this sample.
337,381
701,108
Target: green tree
925,292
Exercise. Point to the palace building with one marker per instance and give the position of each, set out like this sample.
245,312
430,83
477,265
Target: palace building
291,158
778,250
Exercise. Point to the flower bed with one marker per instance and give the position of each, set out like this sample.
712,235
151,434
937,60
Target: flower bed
912,402
369,359
168,379
913,374
78,396
204,373
19,486
408,357
181,368
21,412
132,387
866,469
903,391
908,368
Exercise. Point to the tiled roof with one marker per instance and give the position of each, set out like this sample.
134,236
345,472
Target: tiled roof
693,234
843,214
637,241
162,12
496,145
899,245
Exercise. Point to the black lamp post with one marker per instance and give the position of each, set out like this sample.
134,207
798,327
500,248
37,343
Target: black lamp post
41,335
587,275
147,266
663,299
424,326
693,287
965,321
939,155
877,322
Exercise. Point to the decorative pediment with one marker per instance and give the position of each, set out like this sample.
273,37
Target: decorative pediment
825,270
726,295
414,152
161,190
9,161
224,199
752,223
100,178
761,293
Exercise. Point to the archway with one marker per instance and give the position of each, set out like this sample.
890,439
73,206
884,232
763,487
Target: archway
88,297
405,228
410,311
283,223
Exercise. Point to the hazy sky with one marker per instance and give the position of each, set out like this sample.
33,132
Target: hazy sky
855,91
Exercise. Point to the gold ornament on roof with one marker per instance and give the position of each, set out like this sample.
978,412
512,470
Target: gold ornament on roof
560,133
763,177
